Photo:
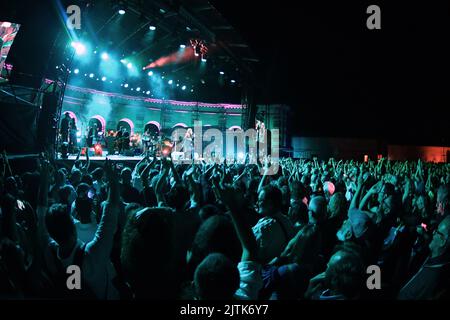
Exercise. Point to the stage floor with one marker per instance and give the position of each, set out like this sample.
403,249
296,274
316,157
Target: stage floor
103,158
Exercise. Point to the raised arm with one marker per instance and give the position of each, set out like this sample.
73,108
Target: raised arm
230,198
264,177
359,187
175,174
162,179
100,247
85,169
42,204
372,191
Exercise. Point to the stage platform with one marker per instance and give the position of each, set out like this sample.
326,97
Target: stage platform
103,158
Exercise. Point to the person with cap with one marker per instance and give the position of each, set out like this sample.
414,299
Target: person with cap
358,229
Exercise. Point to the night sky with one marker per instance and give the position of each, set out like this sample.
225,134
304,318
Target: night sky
342,79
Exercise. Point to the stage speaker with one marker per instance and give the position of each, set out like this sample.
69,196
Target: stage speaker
46,128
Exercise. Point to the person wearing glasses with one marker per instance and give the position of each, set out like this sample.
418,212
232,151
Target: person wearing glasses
432,281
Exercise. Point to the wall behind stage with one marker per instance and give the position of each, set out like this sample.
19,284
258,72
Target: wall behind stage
339,148
86,103
425,153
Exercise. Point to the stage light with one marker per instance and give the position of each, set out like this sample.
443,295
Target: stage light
95,52
105,56
240,155
222,73
6,24
129,65
148,92
103,78
192,90
91,75
80,48
183,88
98,150
138,89
121,12
123,60
233,81
78,134
170,81
166,150
150,73
126,85
152,28
76,71
203,59
178,84
110,81
132,89
182,46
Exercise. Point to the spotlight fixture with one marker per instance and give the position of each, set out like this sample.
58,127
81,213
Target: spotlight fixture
91,75
233,81
80,48
182,46
105,56
152,28
76,71
126,85
200,48
138,89
129,65
121,11
150,73
170,82
103,78
183,88
222,73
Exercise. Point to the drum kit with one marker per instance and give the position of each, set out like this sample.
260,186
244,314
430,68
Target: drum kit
157,146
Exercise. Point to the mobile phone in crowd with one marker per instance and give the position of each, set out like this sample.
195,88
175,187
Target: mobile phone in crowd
91,193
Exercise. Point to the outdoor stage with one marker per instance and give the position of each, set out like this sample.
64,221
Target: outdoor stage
130,161
103,158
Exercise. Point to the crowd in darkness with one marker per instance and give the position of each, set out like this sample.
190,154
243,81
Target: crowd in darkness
162,230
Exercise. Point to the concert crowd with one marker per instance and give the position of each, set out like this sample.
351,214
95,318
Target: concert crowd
221,231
